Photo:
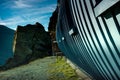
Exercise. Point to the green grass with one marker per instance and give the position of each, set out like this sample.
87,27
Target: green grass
60,70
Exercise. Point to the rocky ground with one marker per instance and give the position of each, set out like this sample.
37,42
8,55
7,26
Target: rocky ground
48,68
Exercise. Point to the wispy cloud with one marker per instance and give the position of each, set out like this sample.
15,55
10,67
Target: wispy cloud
2,22
37,11
21,4
25,3
19,20
12,21
24,12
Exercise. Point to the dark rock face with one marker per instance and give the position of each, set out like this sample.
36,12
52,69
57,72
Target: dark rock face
52,30
30,42
53,21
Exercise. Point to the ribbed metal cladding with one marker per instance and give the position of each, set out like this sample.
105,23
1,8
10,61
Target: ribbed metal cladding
90,38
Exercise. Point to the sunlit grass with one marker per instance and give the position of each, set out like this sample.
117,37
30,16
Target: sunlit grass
60,70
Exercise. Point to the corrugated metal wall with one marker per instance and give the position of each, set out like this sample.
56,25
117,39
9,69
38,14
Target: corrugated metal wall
88,33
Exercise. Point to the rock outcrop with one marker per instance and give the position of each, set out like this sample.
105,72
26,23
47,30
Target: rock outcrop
52,30
30,42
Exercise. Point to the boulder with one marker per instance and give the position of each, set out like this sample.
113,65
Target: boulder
31,42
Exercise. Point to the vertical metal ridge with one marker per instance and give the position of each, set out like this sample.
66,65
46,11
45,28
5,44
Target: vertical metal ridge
97,42
114,50
76,23
111,26
110,37
112,54
74,13
98,48
74,51
116,22
111,68
88,40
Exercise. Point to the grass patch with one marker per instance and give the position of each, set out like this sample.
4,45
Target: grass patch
60,70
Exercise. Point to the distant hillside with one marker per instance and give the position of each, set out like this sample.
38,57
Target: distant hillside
6,42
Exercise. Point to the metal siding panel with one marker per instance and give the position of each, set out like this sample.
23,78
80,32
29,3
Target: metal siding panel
94,2
113,65
94,39
78,17
113,31
108,39
118,18
114,55
85,37
74,14
85,31
97,44
75,20
82,50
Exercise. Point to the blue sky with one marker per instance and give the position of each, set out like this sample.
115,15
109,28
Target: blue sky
22,12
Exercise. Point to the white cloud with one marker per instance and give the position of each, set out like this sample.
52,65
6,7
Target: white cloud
34,1
2,22
27,12
21,4
48,8
37,11
13,22
25,3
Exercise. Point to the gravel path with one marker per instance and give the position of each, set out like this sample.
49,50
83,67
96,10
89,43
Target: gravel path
36,70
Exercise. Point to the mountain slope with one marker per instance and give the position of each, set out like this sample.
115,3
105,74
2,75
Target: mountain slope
6,41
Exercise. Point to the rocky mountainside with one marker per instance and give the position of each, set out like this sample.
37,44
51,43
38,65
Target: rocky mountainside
52,30
53,21
6,41
30,42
